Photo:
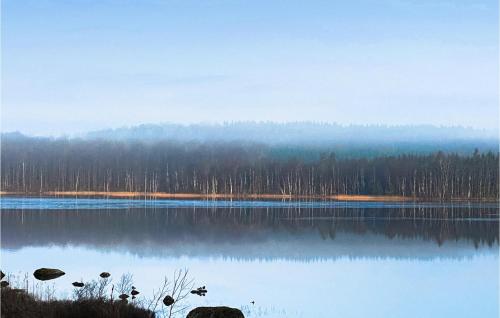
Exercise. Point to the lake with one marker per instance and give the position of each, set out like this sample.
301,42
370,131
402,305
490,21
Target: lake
293,259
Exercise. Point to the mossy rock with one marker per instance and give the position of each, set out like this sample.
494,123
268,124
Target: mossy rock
104,275
168,300
48,273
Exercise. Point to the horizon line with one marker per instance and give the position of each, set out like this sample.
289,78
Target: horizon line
215,124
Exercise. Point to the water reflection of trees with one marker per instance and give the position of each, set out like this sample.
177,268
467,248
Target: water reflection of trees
190,225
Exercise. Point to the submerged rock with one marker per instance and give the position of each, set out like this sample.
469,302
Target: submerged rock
48,273
215,312
168,300
200,291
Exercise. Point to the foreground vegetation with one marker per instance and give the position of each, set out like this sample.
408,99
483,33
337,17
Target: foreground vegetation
102,297
18,303
31,165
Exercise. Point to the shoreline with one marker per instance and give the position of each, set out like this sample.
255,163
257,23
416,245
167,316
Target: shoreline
215,196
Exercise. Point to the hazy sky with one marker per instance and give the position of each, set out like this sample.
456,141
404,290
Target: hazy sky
77,65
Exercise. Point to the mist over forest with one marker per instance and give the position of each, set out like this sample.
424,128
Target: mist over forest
299,159
308,140
303,140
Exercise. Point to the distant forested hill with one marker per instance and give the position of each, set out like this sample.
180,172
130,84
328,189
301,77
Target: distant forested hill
308,140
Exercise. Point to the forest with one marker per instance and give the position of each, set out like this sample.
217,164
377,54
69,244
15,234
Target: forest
37,165
310,139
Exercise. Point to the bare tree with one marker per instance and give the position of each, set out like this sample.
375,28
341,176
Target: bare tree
179,288
124,285
102,287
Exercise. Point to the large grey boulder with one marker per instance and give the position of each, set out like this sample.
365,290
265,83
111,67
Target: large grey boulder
215,312
48,273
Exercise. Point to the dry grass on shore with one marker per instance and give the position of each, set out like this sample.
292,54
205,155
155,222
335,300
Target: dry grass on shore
228,196
163,195
19,304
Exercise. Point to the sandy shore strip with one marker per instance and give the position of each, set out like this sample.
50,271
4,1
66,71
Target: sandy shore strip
222,196
163,195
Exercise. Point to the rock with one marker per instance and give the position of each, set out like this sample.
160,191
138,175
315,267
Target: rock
200,291
168,300
104,274
78,284
197,292
48,273
4,283
215,312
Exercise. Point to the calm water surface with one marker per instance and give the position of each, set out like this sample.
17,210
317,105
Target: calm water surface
294,259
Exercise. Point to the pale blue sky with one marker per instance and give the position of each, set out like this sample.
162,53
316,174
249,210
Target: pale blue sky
71,66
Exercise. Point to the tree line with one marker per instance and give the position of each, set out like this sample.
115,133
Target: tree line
35,165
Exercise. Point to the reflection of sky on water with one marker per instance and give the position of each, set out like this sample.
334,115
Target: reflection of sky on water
343,262
360,287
